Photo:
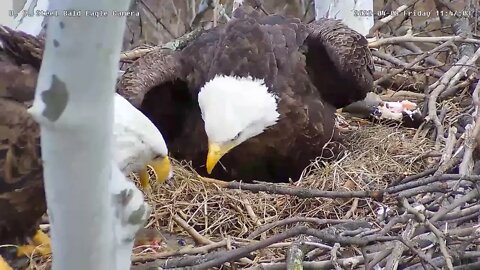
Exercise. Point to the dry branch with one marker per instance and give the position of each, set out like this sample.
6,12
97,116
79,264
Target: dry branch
410,38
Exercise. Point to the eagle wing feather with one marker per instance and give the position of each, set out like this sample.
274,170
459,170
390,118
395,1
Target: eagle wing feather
22,197
156,67
22,47
332,43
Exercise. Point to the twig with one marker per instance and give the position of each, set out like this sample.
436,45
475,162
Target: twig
333,256
347,263
473,194
419,253
295,256
398,249
472,59
401,95
431,179
454,161
415,61
291,220
449,145
470,138
435,187
437,90
250,211
440,236
294,191
243,251
410,38
185,251
418,175
440,261
378,258
458,214
352,209
198,237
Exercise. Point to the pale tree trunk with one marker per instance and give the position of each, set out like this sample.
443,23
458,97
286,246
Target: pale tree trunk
357,14
94,210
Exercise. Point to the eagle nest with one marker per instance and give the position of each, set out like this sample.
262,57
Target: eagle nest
194,208
377,155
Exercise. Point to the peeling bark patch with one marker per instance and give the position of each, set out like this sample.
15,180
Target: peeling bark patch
56,43
62,25
137,216
55,99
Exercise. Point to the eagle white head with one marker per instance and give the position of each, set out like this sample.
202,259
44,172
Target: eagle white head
234,110
138,143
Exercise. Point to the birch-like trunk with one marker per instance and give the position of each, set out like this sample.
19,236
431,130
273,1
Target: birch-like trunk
357,14
94,210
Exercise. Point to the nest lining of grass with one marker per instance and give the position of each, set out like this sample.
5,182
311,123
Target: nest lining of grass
375,156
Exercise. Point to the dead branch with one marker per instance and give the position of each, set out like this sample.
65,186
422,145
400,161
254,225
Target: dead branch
437,89
440,236
295,256
301,230
410,38
283,222
198,237
294,191
466,165
415,61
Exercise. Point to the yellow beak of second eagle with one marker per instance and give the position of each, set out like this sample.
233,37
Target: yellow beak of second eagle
160,167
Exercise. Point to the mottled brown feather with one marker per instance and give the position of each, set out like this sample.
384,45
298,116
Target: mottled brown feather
341,61
305,65
22,198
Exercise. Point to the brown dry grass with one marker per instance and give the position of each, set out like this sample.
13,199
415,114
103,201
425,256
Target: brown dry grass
376,155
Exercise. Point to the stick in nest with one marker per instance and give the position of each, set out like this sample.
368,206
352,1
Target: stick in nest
294,191
440,236
291,220
410,38
244,251
414,62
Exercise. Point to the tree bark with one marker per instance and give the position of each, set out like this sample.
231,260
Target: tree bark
94,210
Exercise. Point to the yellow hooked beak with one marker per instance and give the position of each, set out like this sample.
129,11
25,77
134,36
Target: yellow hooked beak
160,167
215,153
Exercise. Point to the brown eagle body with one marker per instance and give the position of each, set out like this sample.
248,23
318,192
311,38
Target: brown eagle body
22,197
312,68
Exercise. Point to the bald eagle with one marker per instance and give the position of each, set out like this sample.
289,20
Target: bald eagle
137,142
259,92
